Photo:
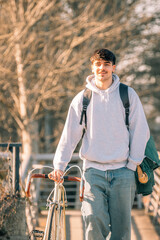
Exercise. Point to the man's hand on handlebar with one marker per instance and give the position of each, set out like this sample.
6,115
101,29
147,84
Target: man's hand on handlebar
56,175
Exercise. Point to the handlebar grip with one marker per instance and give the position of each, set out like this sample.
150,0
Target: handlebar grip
27,189
28,184
70,178
81,190
81,187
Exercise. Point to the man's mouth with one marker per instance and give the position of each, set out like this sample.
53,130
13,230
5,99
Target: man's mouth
102,72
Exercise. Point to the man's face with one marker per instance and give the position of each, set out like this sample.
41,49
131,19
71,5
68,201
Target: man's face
103,70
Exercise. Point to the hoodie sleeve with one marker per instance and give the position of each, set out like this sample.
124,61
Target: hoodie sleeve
138,131
70,137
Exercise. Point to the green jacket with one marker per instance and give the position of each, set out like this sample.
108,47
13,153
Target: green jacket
149,164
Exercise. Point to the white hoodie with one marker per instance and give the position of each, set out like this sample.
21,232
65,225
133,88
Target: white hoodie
107,144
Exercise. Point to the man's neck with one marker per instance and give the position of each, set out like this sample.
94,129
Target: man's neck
103,85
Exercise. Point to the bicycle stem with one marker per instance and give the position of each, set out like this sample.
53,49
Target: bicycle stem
55,192
81,190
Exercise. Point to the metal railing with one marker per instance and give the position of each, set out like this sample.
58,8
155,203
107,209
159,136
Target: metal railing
14,149
153,205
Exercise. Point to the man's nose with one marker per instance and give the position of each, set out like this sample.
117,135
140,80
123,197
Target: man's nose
102,66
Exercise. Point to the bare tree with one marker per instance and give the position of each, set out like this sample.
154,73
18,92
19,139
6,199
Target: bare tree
18,19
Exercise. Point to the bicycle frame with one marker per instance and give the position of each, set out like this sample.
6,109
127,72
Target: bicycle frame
56,204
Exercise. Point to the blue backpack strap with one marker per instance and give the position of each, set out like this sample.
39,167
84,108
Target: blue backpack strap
123,90
87,94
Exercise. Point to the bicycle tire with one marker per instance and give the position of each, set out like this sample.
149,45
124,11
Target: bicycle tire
51,232
56,226
61,221
49,222
56,223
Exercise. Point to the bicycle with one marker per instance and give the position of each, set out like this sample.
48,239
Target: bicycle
55,228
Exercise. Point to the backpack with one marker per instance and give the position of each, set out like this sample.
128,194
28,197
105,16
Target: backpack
151,160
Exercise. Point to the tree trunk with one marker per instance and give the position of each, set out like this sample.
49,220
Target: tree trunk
26,155
26,137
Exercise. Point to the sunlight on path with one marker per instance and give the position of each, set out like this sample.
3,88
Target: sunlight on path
142,227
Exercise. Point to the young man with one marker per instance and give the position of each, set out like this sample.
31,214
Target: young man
110,151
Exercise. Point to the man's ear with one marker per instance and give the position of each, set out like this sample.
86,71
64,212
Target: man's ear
114,68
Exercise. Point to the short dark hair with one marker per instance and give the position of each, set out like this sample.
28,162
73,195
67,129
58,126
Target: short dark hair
104,54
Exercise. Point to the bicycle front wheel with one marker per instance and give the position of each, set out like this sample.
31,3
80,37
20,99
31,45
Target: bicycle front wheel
56,227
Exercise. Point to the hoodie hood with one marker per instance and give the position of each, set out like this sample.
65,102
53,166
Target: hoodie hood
92,86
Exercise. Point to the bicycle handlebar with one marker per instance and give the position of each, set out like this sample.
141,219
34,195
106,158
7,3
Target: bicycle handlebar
68,178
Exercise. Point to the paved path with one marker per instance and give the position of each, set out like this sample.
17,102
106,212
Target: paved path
142,226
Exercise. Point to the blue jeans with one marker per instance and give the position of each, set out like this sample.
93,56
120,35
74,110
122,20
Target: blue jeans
108,199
